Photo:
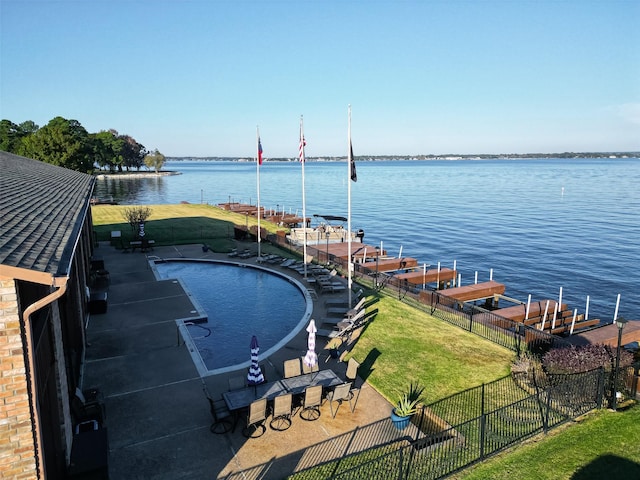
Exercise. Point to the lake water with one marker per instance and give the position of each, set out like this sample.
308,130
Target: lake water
540,224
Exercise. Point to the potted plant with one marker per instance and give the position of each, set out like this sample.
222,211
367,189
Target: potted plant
406,406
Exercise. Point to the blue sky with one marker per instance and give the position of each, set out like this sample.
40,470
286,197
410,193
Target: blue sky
195,78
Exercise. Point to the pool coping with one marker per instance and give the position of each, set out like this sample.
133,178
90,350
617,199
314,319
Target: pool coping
181,323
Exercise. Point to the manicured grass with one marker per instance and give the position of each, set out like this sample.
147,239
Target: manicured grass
403,344
603,444
178,224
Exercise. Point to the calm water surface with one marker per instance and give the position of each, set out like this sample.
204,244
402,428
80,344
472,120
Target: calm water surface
220,289
539,224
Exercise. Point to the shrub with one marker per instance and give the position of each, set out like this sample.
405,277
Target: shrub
583,358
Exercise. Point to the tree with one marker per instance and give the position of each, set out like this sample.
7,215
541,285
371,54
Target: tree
108,149
132,152
155,160
11,135
135,216
61,142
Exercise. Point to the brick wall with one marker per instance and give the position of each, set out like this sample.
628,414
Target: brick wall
17,449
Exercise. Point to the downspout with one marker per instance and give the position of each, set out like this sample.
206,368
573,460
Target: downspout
61,284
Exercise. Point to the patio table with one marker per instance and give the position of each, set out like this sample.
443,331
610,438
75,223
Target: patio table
242,398
297,385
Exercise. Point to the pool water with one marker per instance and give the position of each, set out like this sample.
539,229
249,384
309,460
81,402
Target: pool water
240,302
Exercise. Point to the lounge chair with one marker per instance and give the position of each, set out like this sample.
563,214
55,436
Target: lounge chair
281,412
337,320
311,404
342,393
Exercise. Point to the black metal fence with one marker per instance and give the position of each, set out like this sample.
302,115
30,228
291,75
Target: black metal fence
470,426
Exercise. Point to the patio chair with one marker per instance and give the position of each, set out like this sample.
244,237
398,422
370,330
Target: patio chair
292,368
281,412
255,420
352,370
87,406
237,382
342,393
222,420
311,404
307,369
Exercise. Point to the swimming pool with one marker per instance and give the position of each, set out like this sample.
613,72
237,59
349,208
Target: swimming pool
240,301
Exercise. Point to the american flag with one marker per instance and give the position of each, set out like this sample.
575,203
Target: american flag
303,143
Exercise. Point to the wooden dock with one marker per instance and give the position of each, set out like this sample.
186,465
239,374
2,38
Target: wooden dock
390,264
477,291
419,277
608,335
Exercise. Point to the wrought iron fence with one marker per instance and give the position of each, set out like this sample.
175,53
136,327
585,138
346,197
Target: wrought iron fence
469,426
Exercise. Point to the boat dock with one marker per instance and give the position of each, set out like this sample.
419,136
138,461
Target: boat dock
328,243
443,277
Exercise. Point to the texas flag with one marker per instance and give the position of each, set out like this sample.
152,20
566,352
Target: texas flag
259,152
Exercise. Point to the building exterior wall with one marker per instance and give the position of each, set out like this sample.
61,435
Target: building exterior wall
17,445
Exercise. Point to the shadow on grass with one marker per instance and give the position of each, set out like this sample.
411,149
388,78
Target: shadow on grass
608,466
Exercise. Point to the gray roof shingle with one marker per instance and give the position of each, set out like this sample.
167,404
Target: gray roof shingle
42,208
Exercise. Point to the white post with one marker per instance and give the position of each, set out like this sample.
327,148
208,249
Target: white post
438,278
491,274
459,278
586,309
544,317
424,276
555,314
560,300
258,160
615,314
573,322
476,278
454,269
400,254
526,314
304,206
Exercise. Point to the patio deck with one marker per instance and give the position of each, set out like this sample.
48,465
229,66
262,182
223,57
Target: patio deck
157,414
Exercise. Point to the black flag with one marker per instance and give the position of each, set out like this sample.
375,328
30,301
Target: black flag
352,163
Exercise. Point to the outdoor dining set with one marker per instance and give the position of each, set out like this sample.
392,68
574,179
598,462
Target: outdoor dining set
301,392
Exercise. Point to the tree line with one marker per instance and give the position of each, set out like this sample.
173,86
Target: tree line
67,143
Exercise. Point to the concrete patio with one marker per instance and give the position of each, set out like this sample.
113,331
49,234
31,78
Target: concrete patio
158,417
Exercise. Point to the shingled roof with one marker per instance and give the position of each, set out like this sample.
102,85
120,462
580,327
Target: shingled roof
42,209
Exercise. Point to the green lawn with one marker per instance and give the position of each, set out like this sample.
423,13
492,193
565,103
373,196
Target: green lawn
603,444
178,224
403,344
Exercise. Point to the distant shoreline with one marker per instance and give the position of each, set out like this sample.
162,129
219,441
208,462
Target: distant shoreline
373,158
163,173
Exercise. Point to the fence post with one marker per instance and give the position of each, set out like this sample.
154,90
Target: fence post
471,318
482,425
545,418
600,387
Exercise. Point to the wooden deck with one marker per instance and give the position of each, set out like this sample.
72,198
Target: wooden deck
477,291
608,335
536,318
390,264
432,276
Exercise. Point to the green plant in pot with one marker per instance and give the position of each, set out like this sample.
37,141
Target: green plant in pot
407,405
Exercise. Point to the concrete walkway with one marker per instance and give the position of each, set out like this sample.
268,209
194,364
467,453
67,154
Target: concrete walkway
157,414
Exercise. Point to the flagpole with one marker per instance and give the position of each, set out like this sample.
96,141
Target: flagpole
304,202
349,160
258,161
